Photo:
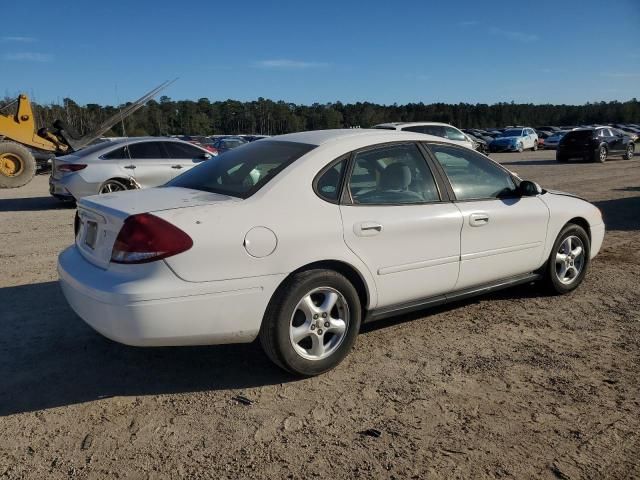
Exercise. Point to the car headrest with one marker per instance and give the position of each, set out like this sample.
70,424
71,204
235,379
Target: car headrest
396,176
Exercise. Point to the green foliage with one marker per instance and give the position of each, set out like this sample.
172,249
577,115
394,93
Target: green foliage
262,116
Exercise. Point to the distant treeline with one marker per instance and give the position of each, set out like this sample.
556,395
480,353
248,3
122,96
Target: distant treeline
203,117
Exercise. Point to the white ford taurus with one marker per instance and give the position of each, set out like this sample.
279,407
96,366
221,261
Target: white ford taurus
300,238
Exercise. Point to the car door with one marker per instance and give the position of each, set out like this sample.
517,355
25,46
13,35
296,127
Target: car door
149,163
617,140
395,220
183,156
503,234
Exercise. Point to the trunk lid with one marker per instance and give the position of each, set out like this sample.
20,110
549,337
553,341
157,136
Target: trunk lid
101,216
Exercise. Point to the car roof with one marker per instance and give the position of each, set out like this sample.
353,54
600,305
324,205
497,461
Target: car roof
411,124
319,137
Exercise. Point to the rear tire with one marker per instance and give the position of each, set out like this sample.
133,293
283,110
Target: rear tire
601,155
113,185
311,322
628,155
17,165
566,266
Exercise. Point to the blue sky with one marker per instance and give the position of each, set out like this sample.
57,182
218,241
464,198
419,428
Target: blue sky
557,51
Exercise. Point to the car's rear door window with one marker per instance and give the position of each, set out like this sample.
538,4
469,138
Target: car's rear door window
391,175
146,150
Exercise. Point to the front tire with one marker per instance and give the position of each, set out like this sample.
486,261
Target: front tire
520,148
311,322
569,260
17,165
535,146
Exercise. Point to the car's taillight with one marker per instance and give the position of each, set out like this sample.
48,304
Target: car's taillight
147,238
71,167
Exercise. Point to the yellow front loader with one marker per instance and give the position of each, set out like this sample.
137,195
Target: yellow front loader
18,131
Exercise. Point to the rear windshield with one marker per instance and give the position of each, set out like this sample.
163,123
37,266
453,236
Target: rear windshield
579,134
244,170
94,148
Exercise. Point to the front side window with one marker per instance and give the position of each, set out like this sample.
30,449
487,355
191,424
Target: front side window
242,171
391,175
436,130
146,150
454,134
473,176
182,150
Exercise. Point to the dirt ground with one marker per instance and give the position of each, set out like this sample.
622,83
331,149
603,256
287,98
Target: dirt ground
516,384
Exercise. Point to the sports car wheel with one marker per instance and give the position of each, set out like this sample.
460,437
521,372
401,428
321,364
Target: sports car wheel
630,152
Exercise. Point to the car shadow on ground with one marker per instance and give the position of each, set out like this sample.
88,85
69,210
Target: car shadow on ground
32,204
621,213
50,358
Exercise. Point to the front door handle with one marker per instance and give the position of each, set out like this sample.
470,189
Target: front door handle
130,167
176,166
367,229
478,219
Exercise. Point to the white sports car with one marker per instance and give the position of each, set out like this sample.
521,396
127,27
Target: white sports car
299,238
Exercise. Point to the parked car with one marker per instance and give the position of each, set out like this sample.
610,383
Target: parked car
594,144
253,138
479,144
551,142
437,129
548,128
122,164
630,133
300,238
515,139
224,144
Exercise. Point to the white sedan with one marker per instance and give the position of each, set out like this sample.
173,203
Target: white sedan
299,238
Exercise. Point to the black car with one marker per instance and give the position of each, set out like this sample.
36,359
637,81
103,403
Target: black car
594,145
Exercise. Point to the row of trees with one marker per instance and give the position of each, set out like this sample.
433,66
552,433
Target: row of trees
262,116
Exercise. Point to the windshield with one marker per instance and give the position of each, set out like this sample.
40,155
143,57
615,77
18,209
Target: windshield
242,171
512,132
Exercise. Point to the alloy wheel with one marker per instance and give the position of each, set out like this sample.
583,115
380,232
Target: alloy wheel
111,187
570,260
603,154
319,323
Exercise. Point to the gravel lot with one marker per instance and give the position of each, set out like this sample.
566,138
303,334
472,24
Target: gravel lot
512,385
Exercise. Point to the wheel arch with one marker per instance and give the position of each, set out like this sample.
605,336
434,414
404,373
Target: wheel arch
349,271
582,222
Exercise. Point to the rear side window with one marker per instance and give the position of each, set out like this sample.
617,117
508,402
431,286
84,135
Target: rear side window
146,150
181,150
242,171
473,176
328,184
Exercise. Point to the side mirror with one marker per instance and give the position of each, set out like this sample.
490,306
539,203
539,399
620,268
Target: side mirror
528,188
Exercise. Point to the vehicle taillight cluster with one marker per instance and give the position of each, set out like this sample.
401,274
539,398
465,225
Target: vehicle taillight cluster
71,167
146,238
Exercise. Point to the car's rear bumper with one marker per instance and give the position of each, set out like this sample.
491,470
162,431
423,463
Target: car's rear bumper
151,306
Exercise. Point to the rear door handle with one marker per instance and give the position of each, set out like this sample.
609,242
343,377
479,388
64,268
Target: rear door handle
176,166
478,219
130,167
367,229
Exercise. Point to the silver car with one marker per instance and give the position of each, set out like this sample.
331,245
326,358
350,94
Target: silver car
122,164
552,141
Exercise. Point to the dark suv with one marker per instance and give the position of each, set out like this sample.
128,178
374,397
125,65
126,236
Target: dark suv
594,145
